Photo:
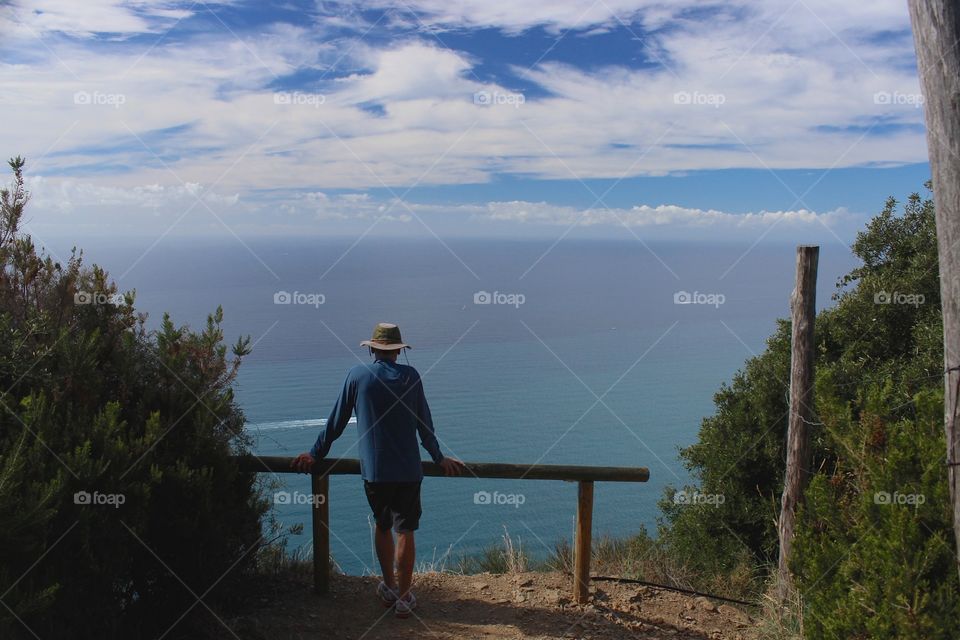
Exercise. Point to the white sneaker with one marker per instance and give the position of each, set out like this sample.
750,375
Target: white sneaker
387,595
405,606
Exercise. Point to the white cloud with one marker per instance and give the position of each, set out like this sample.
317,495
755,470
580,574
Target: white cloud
658,216
68,195
154,209
91,17
777,85
560,15
412,71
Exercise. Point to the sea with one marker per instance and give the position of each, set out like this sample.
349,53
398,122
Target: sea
582,351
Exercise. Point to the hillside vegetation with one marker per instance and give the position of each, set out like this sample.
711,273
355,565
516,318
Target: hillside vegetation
119,506
874,555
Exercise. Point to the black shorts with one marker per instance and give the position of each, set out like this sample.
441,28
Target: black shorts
395,504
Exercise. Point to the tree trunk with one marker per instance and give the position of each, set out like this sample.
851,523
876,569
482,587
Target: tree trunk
803,307
936,34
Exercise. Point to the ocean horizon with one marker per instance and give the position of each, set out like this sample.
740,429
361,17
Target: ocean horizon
594,352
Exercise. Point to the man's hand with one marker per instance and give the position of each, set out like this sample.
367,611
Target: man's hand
452,466
303,463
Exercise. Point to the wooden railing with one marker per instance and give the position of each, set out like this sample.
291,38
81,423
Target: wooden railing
582,475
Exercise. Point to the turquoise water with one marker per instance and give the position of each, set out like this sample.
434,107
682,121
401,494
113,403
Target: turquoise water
505,383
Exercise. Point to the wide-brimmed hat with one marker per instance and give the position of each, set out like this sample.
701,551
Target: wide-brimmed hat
386,337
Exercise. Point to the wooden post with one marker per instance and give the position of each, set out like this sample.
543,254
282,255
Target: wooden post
320,486
803,307
936,35
581,558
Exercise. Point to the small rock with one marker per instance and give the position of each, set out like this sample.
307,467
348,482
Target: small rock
642,592
480,586
705,604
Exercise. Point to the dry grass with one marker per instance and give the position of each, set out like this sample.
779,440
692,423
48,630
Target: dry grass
780,623
506,556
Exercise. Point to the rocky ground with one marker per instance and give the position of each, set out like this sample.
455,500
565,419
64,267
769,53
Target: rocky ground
525,605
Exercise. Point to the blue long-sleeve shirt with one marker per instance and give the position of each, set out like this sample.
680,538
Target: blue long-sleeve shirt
391,411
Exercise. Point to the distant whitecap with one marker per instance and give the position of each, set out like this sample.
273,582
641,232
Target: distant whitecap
291,424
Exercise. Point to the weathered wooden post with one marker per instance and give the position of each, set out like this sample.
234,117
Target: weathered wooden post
320,488
936,35
581,558
803,308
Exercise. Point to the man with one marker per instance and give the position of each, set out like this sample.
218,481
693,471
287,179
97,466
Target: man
391,410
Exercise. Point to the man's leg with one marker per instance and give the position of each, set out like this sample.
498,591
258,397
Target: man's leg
383,539
406,558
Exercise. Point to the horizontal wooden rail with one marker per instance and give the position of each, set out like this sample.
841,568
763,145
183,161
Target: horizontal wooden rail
505,470
584,477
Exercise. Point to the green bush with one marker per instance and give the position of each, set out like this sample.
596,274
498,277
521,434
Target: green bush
874,553
869,565
864,571
96,408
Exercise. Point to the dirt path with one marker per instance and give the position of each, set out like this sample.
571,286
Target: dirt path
527,605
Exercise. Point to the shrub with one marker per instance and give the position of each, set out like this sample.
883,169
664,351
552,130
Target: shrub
119,505
865,570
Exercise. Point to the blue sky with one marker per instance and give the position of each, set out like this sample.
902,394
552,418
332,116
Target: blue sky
680,120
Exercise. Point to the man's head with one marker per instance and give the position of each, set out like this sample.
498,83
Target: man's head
382,354
386,343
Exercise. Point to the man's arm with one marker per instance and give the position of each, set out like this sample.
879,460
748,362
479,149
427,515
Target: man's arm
336,423
428,438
